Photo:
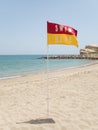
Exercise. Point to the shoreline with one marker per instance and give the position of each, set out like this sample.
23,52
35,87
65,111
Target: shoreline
45,71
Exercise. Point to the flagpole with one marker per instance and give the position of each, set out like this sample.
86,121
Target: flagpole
48,107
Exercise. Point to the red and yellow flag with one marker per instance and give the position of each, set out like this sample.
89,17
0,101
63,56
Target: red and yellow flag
61,34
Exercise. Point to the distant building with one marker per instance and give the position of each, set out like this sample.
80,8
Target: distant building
90,51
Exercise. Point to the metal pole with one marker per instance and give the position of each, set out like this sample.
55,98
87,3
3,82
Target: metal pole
48,107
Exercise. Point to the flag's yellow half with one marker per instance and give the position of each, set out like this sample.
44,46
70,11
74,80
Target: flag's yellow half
62,39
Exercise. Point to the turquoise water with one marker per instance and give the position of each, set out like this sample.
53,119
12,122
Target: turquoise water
13,65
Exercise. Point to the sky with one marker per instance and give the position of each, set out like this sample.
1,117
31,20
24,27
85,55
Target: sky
23,25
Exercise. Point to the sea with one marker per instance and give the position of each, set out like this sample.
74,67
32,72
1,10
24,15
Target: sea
17,65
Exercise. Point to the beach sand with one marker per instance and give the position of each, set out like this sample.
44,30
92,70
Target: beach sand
72,103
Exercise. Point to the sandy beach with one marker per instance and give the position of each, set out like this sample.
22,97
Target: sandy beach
73,100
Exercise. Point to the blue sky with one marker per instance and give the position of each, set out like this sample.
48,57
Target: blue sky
23,24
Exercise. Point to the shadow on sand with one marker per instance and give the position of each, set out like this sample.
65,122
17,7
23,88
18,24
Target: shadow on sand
39,121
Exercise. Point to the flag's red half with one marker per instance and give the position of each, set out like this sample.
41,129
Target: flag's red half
55,28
